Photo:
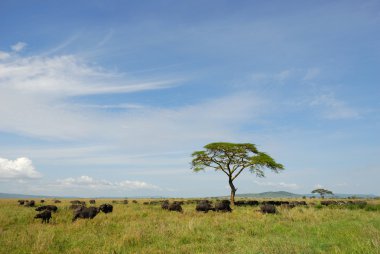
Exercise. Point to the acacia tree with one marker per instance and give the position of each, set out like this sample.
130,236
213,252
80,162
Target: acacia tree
322,192
232,159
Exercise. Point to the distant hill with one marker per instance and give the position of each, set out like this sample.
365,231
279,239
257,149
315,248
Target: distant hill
11,195
270,194
285,194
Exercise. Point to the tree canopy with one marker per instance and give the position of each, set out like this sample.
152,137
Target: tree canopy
232,159
322,192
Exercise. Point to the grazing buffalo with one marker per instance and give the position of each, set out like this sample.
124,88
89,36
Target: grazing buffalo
175,206
223,206
75,206
204,206
125,202
252,202
134,201
45,216
268,209
51,208
92,201
21,202
30,203
57,201
165,204
76,202
106,208
85,212
42,201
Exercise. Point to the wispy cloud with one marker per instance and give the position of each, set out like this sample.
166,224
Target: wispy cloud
68,75
21,168
18,46
89,182
333,108
279,185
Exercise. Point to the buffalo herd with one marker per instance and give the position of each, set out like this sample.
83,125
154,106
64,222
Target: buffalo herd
266,207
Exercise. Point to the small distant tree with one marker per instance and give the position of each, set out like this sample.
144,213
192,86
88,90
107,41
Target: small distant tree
322,192
232,159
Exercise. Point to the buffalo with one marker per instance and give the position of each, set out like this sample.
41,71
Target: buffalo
223,206
21,202
175,206
77,202
57,201
51,208
75,206
30,203
268,209
106,208
92,201
85,212
45,216
165,204
204,206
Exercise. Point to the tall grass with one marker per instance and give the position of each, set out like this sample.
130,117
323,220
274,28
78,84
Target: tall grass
138,228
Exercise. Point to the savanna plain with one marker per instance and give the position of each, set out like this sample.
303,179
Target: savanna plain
147,228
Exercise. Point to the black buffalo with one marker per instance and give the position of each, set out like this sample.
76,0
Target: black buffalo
77,202
21,202
165,204
45,216
92,201
106,208
204,206
42,201
57,201
51,208
76,206
30,203
175,206
268,209
85,212
223,206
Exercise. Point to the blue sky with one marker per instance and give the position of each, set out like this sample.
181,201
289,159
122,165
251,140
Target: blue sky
110,98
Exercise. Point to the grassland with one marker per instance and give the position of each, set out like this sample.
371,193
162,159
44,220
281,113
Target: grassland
138,228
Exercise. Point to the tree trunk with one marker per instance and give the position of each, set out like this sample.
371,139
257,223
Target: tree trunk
233,191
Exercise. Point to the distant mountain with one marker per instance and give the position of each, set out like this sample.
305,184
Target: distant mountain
285,194
11,195
270,194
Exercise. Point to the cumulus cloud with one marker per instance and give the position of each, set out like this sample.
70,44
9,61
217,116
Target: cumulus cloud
18,46
20,168
278,185
89,182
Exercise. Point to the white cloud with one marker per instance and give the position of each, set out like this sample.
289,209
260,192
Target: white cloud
318,186
4,55
278,185
68,75
334,108
18,46
89,182
17,169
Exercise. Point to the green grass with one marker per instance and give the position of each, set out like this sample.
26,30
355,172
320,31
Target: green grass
137,228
